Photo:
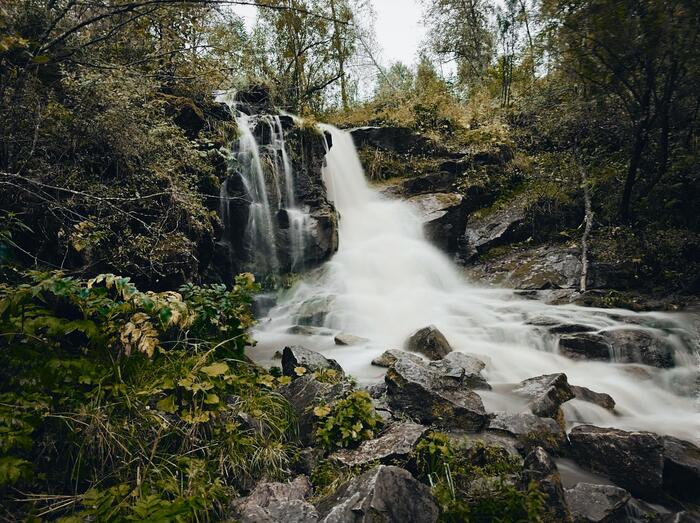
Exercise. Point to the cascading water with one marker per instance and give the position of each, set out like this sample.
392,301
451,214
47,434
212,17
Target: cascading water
386,281
265,171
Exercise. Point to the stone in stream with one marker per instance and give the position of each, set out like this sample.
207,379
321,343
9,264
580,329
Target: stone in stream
389,357
274,502
530,431
546,394
429,342
458,369
443,215
540,468
591,503
416,390
681,476
295,356
598,398
383,493
395,444
349,339
585,346
633,460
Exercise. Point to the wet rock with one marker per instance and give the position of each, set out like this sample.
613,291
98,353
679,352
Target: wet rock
633,460
598,398
443,216
313,311
640,346
389,357
458,369
308,330
295,356
495,228
681,475
686,516
429,342
416,390
489,439
274,502
530,431
429,183
585,346
546,394
306,392
395,444
349,339
401,140
540,468
383,493
596,503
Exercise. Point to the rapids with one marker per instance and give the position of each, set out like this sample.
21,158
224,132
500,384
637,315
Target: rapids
386,281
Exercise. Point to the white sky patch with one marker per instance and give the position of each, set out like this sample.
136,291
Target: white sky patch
399,29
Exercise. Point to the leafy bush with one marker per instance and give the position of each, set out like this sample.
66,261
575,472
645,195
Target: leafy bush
347,422
122,405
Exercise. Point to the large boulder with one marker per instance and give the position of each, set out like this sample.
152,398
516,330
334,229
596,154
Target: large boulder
681,476
389,357
429,342
546,394
540,468
530,431
598,398
384,493
418,391
344,338
443,216
591,503
294,357
400,140
438,182
458,369
395,444
633,460
585,346
274,502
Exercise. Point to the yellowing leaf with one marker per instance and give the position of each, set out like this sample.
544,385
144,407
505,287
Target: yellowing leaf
211,399
322,411
167,404
299,371
215,369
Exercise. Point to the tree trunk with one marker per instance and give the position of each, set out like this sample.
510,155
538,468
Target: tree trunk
588,221
341,57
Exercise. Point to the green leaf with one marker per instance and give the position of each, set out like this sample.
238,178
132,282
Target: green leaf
216,369
211,399
167,405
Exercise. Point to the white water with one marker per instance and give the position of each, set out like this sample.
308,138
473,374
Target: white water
386,281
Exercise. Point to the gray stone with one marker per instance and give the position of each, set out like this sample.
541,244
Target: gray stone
349,339
458,369
495,228
396,443
443,216
585,346
313,311
596,503
416,389
309,330
640,346
530,431
540,468
383,493
546,394
396,139
274,502
681,476
295,356
387,358
633,460
429,342
598,398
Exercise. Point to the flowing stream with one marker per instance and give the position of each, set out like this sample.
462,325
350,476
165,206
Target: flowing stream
386,281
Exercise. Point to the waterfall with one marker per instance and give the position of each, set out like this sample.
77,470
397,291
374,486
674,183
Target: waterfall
387,281
277,225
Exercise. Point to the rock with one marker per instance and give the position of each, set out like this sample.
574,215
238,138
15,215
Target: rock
540,468
349,339
274,502
585,346
429,342
400,140
303,394
416,389
255,99
383,493
681,517
307,459
458,369
396,443
681,476
596,503
546,394
438,182
599,398
633,460
295,356
639,346
530,431
443,216
389,357
313,311
496,227
488,439
308,330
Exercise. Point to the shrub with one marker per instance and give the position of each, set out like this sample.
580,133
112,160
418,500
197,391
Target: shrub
347,422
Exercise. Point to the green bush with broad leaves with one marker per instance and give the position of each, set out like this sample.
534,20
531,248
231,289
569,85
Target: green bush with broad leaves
123,405
347,422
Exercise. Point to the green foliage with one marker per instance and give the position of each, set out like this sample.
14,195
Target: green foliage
122,405
347,422
475,483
